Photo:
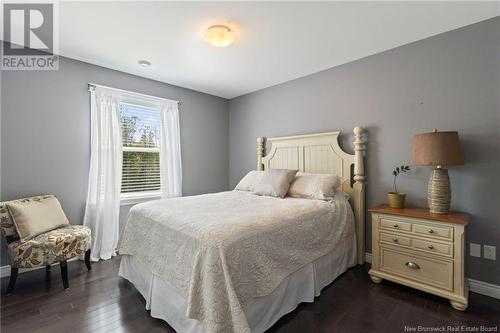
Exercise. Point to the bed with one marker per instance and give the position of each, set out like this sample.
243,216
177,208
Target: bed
237,262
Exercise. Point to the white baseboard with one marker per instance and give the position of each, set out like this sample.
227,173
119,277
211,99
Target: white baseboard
5,270
484,288
476,286
368,257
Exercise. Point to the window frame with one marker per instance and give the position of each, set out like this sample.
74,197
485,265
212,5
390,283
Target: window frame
129,198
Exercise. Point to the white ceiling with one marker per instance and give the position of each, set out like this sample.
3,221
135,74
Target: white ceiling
276,41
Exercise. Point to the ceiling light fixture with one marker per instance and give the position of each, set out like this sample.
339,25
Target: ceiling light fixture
144,63
220,35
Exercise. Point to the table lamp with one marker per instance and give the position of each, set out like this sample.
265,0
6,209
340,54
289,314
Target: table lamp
438,149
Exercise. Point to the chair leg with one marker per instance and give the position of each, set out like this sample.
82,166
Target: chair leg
47,277
87,260
64,273
12,280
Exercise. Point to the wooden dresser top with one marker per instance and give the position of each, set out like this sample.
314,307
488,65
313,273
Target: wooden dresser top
423,213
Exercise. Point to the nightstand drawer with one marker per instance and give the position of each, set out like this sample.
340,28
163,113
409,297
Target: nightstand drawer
433,231
395,239
433,247
390,224
433,272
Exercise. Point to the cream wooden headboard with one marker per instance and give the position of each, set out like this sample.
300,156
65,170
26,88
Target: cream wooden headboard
321,153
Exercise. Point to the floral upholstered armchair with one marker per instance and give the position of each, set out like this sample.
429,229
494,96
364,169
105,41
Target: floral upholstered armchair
35,248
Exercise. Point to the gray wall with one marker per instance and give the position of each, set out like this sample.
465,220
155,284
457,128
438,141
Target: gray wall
45,133
448,82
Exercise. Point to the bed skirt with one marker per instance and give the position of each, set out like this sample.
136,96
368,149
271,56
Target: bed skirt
262,312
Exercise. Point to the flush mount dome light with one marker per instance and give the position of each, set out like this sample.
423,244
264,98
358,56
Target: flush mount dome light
219,35
144,63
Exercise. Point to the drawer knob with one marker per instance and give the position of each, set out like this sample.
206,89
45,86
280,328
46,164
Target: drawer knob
430,247
431,231
412,265
395,240
396,226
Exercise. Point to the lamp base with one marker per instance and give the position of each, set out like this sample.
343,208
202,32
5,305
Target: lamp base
439,192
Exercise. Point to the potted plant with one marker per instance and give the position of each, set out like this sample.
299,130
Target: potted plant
396,199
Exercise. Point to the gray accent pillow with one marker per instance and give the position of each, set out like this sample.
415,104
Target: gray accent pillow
249,182
315,186
275,182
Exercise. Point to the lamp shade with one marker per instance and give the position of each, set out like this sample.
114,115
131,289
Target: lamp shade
437,148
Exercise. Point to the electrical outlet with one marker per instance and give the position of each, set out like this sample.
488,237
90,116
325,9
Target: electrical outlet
475,250
490,252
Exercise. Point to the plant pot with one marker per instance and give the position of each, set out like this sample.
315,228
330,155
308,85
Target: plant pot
396,200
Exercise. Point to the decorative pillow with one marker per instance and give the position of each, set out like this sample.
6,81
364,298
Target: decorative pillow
275,182
250,180
6,222
35,217
314,186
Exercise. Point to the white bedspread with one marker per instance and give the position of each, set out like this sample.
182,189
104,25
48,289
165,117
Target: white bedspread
222,249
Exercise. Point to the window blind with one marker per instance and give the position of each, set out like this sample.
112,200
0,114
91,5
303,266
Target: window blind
141,157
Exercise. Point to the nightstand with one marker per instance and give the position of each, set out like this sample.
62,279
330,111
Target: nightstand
421,250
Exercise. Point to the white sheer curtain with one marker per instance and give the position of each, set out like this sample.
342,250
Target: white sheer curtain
103,197
170,151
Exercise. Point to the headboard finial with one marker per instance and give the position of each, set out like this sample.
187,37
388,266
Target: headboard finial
358,130
260,153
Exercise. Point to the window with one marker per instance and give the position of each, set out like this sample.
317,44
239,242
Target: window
141,156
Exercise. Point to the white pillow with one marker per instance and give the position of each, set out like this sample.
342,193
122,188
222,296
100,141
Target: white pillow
275,182
315,186
249,182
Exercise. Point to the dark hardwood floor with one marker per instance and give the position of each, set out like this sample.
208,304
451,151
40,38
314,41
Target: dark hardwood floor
100,301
